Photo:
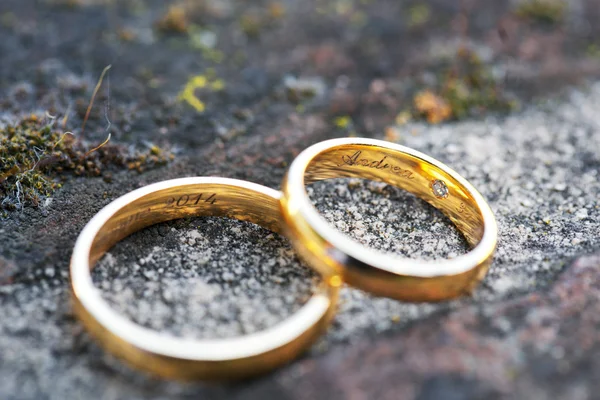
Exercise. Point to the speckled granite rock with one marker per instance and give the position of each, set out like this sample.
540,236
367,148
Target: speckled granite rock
529,331
541,346
498,341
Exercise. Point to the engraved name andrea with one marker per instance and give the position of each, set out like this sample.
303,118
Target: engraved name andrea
355,159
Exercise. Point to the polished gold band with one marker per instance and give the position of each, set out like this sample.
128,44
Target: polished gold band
181,358
333,254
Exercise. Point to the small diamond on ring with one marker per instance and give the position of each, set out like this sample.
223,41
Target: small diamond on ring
439,188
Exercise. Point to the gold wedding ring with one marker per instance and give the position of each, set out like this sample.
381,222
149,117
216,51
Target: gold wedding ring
335,255
176,357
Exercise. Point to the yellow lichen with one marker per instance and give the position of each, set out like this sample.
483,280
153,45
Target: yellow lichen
217,85
188,94
342,122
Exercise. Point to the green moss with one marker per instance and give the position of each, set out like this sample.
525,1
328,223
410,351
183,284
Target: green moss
418,15
175,20
466,88
542,11
593,50
254,21
471,88
8,19
251,25
36,157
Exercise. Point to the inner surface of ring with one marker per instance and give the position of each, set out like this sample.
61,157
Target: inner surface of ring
235,278
405,171
204,199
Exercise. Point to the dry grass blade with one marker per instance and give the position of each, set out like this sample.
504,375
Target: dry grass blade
66,117
97,147
61,139
89,109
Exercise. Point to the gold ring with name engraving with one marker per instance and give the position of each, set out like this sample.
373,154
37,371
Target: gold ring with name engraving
337,256
177,357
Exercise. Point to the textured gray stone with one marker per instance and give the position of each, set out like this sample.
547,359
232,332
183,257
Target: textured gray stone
213,277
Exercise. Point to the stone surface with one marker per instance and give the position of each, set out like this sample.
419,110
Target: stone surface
540,346
528,331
